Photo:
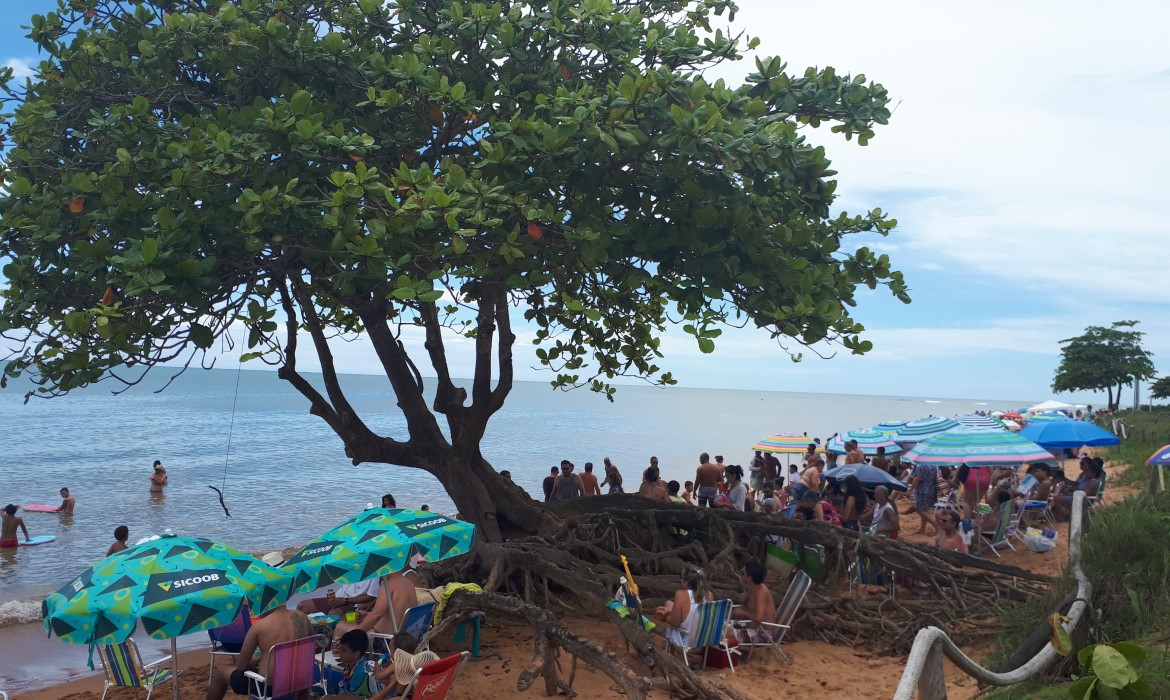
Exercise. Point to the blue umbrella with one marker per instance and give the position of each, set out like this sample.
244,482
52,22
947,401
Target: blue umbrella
889,426
1161,458
978,422
870,476
867,441
1059,434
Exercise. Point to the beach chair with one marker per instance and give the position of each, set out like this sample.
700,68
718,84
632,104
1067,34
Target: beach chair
416,622
867,572
1013,528
123,667
999,537
771,634
227,640
291,667
431,682
708,629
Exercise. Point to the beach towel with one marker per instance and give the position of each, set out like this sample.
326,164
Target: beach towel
451,588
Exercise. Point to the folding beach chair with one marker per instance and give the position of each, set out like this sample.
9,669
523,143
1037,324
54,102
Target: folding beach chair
227,640
416,622
708,629
431,682
123,667
999,537
1013,528
771,634
291,667
868,572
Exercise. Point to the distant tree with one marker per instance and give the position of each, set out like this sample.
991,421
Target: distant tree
1160,389
1103,359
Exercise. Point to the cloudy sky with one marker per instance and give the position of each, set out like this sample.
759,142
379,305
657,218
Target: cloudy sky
1024,163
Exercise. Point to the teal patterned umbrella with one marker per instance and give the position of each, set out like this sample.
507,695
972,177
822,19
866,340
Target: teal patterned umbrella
172,585
375,543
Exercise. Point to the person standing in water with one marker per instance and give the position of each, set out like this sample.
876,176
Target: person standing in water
67,502
121,534
158,479
9,526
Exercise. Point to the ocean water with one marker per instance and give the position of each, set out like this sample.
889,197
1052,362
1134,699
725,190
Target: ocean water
285,475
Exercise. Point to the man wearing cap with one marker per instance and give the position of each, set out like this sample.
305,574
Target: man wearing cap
9,527
567,486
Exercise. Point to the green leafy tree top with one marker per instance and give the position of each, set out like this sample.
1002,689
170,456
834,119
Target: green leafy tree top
1103,359
323,167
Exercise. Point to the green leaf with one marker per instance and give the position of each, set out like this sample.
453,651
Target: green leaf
1133,653
146,48
1112,668
82,183
149,250
300,101
201,336
706,346
1083,688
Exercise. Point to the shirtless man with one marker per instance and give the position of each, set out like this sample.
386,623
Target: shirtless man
758,605
948,536
589,481
66,502
771,470
854,454
707,478
402,597
273,627
9,527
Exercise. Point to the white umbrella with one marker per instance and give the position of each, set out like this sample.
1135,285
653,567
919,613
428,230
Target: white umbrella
1049,406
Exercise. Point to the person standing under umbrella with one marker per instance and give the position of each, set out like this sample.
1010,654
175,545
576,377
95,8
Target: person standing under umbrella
923,484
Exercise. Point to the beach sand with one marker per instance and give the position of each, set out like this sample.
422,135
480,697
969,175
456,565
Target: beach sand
818,668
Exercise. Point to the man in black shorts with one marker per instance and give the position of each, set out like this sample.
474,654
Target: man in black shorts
274,627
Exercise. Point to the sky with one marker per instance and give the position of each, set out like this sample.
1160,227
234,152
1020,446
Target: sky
1024,163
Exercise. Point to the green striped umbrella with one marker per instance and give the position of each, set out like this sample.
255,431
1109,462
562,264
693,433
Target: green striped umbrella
172,585
377,542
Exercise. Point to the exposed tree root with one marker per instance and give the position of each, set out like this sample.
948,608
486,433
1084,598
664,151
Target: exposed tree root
529,578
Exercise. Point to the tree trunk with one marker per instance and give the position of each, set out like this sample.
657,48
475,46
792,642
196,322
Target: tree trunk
497,507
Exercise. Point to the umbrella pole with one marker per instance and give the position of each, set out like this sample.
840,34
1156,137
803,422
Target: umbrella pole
174,669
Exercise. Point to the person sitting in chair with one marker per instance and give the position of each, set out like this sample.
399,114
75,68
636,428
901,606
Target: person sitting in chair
396,670
758,604
275,626
352,682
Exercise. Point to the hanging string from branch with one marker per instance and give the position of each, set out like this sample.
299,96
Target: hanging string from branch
228,454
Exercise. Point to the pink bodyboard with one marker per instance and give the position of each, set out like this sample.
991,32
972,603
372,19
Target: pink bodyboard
40,508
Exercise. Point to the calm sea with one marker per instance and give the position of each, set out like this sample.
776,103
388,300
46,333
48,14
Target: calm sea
285,475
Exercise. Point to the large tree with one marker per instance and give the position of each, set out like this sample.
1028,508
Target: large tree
313,169
1103,359
1160,389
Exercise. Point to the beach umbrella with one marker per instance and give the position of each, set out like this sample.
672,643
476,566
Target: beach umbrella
1012,415
1059,434
1010,424
889,426
867,440
978,422
918,430
975,448
1050,418
1049,406
171,585
1161,458
377,542
870,476
785,444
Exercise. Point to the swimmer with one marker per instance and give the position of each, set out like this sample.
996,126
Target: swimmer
121,534
9,526
67,502
159,478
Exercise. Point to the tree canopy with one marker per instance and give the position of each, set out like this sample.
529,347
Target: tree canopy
1103,359
319,168
1160,389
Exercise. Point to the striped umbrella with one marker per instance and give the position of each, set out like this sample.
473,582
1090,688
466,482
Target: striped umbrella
889,426
976,448
918,430
785,444
974,420
867,440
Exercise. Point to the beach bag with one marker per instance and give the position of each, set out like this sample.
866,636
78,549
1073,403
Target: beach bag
1040,540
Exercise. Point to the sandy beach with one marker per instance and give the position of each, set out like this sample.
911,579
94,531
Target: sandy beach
817,667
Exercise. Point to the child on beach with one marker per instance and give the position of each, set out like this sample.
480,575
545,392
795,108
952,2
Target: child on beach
9,526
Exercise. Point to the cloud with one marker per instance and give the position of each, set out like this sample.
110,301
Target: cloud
21,68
